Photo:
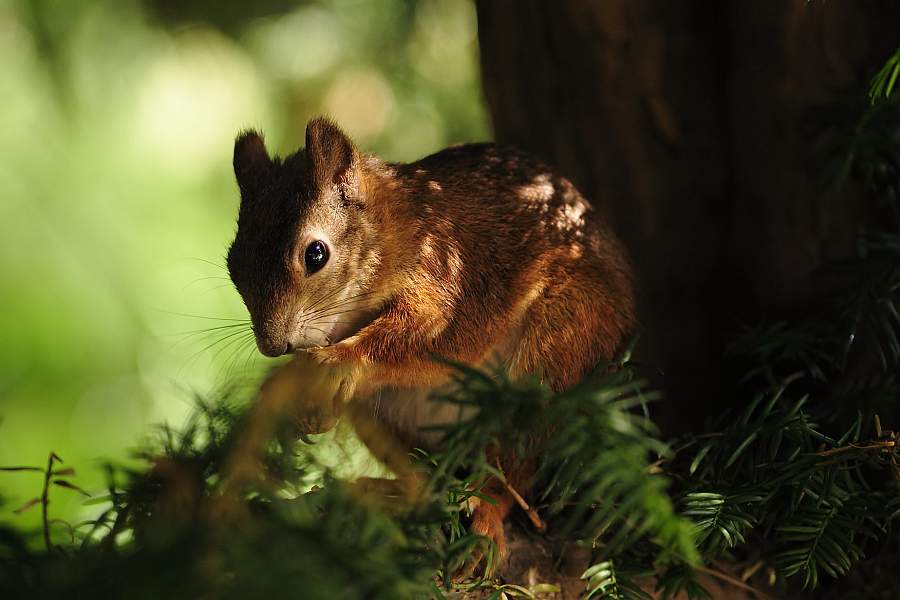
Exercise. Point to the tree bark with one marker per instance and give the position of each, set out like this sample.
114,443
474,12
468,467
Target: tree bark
688,124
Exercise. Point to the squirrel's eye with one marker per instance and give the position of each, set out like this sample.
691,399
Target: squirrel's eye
316,256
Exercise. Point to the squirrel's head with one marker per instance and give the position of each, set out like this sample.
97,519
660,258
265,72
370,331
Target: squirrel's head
304,252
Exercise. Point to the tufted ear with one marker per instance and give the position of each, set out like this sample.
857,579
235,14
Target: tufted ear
251,159
331,156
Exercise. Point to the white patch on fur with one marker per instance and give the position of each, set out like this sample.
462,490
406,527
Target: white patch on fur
538,191
412,409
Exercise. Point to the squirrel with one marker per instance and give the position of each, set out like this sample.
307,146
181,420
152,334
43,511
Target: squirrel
365,270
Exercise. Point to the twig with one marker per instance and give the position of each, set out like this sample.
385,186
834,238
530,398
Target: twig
532,514
45,499
733,581
883,445
751,570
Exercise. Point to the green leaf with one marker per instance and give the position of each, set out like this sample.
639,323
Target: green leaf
740,449
699,458
71,486
27,505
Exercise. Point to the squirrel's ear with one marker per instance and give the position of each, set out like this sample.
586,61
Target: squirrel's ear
331,156
251,159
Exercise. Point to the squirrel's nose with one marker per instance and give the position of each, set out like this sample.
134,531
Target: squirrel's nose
273,348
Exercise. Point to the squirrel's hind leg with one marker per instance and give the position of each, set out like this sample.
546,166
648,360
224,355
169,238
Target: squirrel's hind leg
572,327
488,518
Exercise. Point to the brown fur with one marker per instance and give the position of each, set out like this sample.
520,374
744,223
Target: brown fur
473,253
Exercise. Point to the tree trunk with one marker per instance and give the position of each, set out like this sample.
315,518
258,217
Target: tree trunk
687,124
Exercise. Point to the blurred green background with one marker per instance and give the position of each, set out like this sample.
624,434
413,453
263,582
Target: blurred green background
117,200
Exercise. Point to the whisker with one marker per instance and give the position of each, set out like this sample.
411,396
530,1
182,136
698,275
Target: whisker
345,311
220,340
205,334
228,363
324,297
222,285
209,333
320,322
199,279
235,339
322,331
209,262
209,329
333,304
223,364
178,314
196,355
346,301
358,295
227,368
251,353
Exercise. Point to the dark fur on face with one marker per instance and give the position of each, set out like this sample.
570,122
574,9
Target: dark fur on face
312,195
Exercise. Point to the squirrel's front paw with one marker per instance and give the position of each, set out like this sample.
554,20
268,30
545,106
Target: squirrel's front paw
319,392
324,355
342,352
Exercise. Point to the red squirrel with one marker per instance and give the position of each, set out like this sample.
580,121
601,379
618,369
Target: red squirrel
365,270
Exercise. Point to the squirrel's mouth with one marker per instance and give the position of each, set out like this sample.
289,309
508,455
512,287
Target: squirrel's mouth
335,325
315,334
352,325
